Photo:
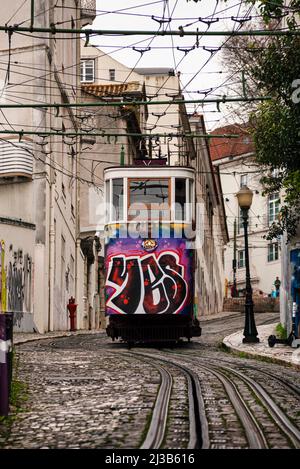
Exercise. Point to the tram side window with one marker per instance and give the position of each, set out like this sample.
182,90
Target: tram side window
180,198
118,199
191,211
107,199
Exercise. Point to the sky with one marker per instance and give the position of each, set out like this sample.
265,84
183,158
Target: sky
200,69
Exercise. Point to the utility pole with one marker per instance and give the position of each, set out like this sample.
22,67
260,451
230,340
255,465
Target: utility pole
234,259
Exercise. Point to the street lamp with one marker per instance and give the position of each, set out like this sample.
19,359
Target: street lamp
244,197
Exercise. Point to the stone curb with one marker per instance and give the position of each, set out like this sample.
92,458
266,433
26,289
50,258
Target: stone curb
22,338
282,354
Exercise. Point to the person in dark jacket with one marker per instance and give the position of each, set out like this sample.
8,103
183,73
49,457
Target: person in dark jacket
277,284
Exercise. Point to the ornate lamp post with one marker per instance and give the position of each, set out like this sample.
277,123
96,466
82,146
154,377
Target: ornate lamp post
244,197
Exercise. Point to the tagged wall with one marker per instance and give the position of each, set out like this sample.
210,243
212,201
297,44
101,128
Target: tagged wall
19,280
16,269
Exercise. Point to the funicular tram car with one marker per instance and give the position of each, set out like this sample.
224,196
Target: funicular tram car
149,260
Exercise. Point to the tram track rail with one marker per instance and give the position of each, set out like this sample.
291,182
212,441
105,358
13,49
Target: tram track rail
253,431
198,426
290,386
246,386
274,410
220,368
254,434
157,428
279,417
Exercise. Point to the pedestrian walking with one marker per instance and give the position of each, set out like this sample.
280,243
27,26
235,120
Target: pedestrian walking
277,284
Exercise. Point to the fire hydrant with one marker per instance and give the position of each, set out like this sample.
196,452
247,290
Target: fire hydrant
72,313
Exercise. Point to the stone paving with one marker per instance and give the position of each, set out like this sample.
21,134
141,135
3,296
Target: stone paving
104,403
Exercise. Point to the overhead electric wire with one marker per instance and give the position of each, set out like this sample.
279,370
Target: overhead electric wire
242,69
86,168
116,32
17,11
121,12
211,56
55,165
62,106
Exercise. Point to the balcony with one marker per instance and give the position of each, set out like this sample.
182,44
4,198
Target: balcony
16,159
88,11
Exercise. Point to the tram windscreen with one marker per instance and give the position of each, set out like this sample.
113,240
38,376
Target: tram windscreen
150,193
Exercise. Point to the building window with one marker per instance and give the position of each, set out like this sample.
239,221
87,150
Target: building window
112,74
241,259
87,71
273,207
244,180
273,250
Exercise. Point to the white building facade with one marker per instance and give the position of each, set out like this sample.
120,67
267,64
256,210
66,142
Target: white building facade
210,222
159,84
40,250
235,160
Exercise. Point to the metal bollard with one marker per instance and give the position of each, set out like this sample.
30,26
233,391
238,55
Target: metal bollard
6,336
9,339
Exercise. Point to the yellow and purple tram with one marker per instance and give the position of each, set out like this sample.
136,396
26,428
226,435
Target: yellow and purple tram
149,256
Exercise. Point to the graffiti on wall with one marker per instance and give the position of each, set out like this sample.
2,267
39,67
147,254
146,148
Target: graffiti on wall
148,283
295,281
3,292
16,279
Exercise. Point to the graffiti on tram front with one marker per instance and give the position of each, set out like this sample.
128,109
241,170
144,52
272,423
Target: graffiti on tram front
156,283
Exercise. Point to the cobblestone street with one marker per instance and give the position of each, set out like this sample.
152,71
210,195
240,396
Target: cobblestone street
81,398
86,392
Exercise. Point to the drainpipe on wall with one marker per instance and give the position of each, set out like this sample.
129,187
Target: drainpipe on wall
51,214
79,300
51,258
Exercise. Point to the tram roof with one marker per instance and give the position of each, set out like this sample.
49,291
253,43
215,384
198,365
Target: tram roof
154,169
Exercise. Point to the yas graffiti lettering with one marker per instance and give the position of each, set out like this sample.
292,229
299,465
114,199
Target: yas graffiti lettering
147,284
